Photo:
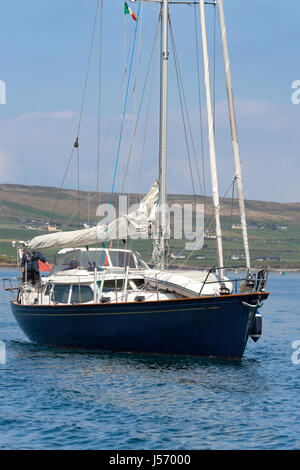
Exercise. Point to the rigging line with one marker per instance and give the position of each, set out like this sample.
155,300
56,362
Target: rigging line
134,94
99,102
78,186
141,101
82,206
136,97
200,103
125,44
126,64
147,118
186,106
139,47
178,72
129,102
139,176
82,203
126,68
214,71
112,116
182,112
188,116
205,229
61,186
88,68
81,109
145,130
122,125
231,220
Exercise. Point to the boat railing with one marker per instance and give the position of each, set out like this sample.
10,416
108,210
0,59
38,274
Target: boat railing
12,284
252,282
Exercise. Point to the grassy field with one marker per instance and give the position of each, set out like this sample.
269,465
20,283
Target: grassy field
21,204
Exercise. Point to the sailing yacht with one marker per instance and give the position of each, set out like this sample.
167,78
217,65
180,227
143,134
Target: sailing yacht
109,299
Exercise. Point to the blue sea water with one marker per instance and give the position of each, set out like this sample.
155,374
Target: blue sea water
58,399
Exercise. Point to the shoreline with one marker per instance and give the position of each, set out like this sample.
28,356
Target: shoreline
255,268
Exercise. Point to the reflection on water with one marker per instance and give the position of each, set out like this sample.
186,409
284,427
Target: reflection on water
61,398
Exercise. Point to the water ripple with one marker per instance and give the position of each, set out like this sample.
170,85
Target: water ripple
63,399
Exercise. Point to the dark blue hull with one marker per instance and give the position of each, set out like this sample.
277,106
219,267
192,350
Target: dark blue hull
210,326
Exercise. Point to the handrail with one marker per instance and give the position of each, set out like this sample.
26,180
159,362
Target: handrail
11,288
204,283
259,280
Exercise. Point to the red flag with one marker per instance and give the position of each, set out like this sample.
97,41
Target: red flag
44,268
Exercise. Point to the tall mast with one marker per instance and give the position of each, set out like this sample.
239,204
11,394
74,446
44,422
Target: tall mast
163,132
211,136
234,134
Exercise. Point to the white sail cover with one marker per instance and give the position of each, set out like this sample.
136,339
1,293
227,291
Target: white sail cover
133,225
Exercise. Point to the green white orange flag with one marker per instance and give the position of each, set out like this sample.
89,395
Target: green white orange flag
128,11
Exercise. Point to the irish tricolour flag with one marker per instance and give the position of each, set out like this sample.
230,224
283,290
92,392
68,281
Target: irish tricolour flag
128,11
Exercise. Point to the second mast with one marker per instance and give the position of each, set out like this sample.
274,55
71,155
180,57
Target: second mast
163,128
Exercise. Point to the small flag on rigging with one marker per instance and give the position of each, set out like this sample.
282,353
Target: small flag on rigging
128,11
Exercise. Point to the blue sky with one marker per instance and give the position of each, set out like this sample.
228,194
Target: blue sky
44,49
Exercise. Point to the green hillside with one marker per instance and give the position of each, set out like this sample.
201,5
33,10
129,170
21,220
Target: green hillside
274,228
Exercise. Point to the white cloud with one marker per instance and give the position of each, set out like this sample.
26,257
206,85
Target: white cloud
9,168
268,134
64,114
38,146
34,145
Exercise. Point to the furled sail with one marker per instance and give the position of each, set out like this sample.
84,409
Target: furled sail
136,224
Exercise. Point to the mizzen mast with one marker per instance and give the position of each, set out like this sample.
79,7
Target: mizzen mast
211,137
234,134
163,131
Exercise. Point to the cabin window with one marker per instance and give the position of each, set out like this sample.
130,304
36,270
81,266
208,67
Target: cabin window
119,284
92,259
137,283
141,264
113,285
61,293
71,261
48,289
122,259
81,294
